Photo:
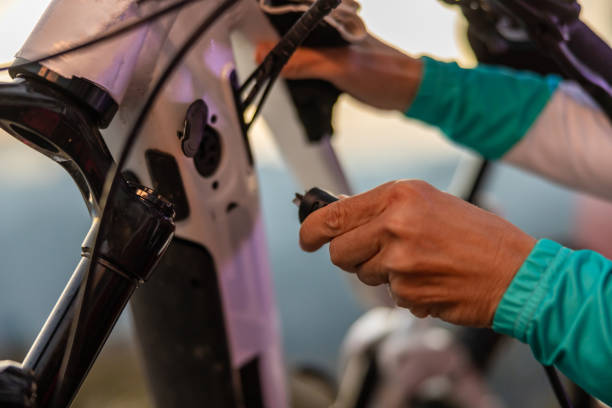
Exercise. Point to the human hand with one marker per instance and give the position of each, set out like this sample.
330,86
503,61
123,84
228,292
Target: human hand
440,255
371,71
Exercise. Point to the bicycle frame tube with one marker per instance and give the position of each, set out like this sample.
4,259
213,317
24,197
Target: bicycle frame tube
109,64
223,344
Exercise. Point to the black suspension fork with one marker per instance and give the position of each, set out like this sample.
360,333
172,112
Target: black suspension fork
135,237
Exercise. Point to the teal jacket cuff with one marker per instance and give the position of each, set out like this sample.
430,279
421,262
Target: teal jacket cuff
560,304
529,287
488,109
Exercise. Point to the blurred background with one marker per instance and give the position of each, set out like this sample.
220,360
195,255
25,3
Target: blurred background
39,244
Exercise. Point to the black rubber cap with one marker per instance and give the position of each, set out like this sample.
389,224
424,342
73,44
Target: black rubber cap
314,199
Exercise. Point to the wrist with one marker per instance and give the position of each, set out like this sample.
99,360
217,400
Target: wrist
413,69
528,287
384,80
517,247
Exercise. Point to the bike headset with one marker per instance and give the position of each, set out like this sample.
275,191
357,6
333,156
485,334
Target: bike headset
546,29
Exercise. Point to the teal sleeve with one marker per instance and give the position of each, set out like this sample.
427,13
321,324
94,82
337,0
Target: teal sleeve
560,303
488,109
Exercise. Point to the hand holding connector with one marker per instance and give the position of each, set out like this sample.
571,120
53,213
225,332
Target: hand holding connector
439,255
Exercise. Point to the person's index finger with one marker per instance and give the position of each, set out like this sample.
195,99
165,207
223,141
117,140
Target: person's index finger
338,218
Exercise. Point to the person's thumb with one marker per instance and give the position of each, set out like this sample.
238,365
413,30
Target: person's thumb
306,63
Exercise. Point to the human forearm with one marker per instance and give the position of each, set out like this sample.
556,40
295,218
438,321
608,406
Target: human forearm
370,71
488,109
521,118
